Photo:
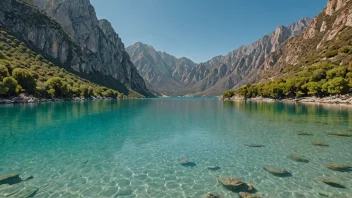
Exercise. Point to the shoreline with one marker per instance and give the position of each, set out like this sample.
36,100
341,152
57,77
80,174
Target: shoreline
343,99
33,100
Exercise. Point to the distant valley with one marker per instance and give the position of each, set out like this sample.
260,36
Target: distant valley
167,75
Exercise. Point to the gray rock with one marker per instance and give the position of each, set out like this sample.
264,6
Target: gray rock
304,133
254,145
340,134
339,167
235,184
331,182
213,168
320,144
212,195
10,179
298,158
277,171
187,163
248,195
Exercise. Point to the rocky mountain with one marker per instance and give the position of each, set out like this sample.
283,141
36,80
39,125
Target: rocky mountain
70,33
165,72
330,31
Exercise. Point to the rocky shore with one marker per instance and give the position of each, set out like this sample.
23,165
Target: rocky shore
342,99
24,99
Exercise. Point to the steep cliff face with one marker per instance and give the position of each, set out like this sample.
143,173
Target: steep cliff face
329,31
102,49
234,69
214,76
163,72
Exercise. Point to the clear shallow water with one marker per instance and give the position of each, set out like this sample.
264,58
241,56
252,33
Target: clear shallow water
130,148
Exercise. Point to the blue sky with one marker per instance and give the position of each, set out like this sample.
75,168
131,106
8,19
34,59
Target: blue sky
201,29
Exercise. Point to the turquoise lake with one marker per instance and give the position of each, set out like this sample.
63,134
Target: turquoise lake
131,148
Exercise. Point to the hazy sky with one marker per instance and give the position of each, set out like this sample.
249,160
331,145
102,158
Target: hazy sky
201,29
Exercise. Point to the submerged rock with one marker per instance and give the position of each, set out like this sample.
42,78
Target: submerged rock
213,168
319,144
304,133
212,195
255,145
277,171
10,179
187,163
339,167
248,195
340,134
298,158
331,182
235,184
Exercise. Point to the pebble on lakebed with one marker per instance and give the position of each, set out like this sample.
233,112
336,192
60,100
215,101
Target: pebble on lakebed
235,184
331,182
319,144
213,168
10,179
298,158
187,163
277,171
340,134
212,195
254,145
304,133
248,195
339,167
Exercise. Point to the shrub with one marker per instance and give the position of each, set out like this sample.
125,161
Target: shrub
25,79
13,87
4,72
56,87
3,89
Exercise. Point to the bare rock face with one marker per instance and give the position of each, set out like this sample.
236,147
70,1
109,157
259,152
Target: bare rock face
102,49
164,72
328,26
173,76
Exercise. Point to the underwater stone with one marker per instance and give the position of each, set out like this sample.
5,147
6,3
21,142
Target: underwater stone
277,171
298,158
304,133
187,163
319,144
341,134
213,168
231,182
235,184
255,145
248,195
339,167
212,195
10,179
331,182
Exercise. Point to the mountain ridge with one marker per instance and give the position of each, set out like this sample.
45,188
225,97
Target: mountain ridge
222,72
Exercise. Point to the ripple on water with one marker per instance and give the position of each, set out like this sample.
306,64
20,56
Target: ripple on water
129,153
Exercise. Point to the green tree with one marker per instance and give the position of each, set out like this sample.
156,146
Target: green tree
4,72
58,85
25,79
228,94
13,87
3,89
335,86
339,71
314,88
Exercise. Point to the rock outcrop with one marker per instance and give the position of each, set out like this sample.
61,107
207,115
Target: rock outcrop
329,31
73,37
